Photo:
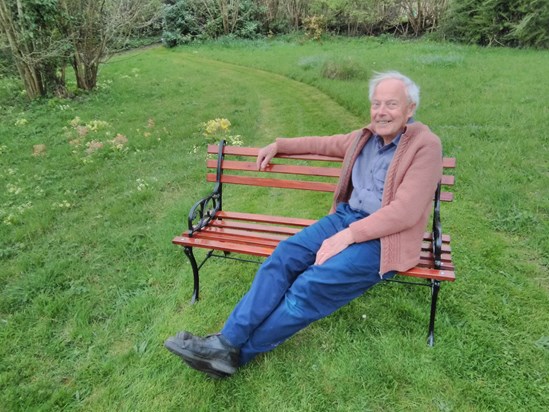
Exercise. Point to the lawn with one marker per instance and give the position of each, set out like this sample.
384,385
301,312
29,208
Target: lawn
92,189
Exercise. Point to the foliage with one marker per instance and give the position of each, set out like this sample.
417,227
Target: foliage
346,68
186,20
38,46
47,36
314,26
484,22
498,22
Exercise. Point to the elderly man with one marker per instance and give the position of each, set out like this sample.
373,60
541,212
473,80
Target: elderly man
375,227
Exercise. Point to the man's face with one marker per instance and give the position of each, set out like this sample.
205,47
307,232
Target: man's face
390,109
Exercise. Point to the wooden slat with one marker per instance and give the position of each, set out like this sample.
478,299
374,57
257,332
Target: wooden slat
276,168
428,255
253,152
448,180
239,225
428,264
279,220
225,246
449,162
429,247
426,273
280,183
446,197
247,239
265,248
222,231
429,236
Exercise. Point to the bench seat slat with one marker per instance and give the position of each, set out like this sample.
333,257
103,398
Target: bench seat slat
283,230
263,251
426,273
228,231
264,247
279,220
266,234
253,217
245,238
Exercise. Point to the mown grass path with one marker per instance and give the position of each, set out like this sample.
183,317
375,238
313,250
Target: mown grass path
283,102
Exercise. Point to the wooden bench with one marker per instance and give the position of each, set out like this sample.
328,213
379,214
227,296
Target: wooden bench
215,229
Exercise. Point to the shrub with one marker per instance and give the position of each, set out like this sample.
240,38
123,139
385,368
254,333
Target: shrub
498,22
342,69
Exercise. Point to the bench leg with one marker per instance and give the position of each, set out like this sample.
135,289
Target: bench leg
190,255
435,287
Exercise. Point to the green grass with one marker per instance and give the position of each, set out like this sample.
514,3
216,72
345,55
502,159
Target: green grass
90,285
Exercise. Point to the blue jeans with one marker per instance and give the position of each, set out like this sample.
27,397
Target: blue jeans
289,292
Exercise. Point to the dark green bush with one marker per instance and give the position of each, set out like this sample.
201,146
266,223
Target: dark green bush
523,23
186,20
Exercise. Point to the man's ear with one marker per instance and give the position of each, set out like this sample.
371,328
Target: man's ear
411,110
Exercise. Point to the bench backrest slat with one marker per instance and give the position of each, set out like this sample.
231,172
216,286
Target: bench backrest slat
277,168
239,167
254,151
279,183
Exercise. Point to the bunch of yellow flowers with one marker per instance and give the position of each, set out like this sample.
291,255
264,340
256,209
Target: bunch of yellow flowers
212,127
217,129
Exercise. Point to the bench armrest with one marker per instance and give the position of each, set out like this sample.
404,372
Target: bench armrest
437,230
203,212
205,209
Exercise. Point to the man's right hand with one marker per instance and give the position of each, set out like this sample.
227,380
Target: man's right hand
265,155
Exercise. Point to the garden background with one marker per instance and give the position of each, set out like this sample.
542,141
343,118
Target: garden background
94,187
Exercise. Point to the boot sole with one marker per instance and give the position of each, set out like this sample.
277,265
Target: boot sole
213,369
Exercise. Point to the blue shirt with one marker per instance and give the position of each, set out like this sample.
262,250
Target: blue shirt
369,173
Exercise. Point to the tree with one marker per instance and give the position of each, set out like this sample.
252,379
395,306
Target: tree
37,46
423,15
46,36
93,25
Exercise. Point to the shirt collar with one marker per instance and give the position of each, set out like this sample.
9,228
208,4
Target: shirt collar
380,144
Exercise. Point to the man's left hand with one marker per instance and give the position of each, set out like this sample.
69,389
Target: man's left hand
333,245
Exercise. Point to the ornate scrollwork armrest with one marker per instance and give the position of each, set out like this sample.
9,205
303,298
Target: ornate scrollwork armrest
437,230
203,212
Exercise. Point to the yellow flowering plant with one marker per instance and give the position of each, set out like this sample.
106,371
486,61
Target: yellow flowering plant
217,129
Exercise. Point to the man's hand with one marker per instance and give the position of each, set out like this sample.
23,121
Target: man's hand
333,245
265,155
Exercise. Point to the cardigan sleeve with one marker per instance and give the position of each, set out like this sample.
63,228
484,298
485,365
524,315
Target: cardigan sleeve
335,145
409,198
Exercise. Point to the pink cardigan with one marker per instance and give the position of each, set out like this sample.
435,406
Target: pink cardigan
409,188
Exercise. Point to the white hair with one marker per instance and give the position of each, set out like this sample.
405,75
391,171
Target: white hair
412,89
